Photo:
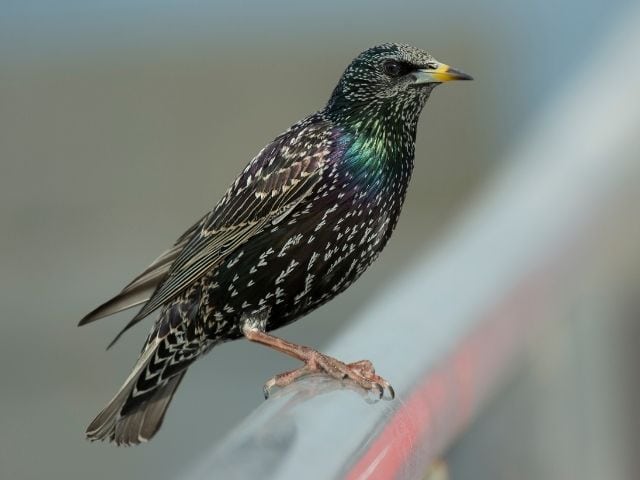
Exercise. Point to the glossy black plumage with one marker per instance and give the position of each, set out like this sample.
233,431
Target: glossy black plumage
301,222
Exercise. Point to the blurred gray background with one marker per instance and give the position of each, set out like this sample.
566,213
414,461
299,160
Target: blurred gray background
122,122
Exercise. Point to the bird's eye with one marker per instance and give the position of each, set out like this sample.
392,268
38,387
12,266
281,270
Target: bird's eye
432,66
392,68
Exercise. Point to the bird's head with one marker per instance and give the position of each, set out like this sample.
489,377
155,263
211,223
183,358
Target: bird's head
390,77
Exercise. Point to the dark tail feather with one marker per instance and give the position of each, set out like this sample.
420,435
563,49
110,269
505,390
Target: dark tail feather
138,425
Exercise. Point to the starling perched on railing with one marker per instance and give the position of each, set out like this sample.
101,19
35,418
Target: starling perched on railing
299,225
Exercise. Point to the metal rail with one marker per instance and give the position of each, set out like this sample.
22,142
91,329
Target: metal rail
448,333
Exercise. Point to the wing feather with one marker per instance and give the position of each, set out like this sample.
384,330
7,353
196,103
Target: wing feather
252,203
278,179
141,288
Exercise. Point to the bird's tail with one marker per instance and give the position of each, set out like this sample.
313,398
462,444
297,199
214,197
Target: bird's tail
135,414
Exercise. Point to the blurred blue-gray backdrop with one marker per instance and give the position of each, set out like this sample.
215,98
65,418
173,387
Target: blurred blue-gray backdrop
122,122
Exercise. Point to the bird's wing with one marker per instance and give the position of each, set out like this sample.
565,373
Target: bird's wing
270,187
140,289
280,177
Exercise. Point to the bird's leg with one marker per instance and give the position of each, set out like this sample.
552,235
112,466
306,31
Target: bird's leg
361,372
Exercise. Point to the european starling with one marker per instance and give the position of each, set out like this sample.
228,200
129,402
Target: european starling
299,225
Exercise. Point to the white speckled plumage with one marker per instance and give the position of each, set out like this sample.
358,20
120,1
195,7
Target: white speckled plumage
301,223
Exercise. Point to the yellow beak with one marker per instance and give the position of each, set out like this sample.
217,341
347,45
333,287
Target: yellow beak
444,73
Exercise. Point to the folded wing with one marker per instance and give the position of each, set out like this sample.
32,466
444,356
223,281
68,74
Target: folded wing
270,187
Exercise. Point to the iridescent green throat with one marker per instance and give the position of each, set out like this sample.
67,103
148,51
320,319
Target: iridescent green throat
379,140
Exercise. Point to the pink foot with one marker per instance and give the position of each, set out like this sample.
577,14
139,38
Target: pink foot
362,373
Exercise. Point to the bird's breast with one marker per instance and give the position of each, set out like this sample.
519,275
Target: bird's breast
307,258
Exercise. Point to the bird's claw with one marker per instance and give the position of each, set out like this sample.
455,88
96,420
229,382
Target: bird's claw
365,369
362,373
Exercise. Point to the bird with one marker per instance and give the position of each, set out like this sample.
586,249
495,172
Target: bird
301,222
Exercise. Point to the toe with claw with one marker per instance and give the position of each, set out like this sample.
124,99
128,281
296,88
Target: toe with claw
361,373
